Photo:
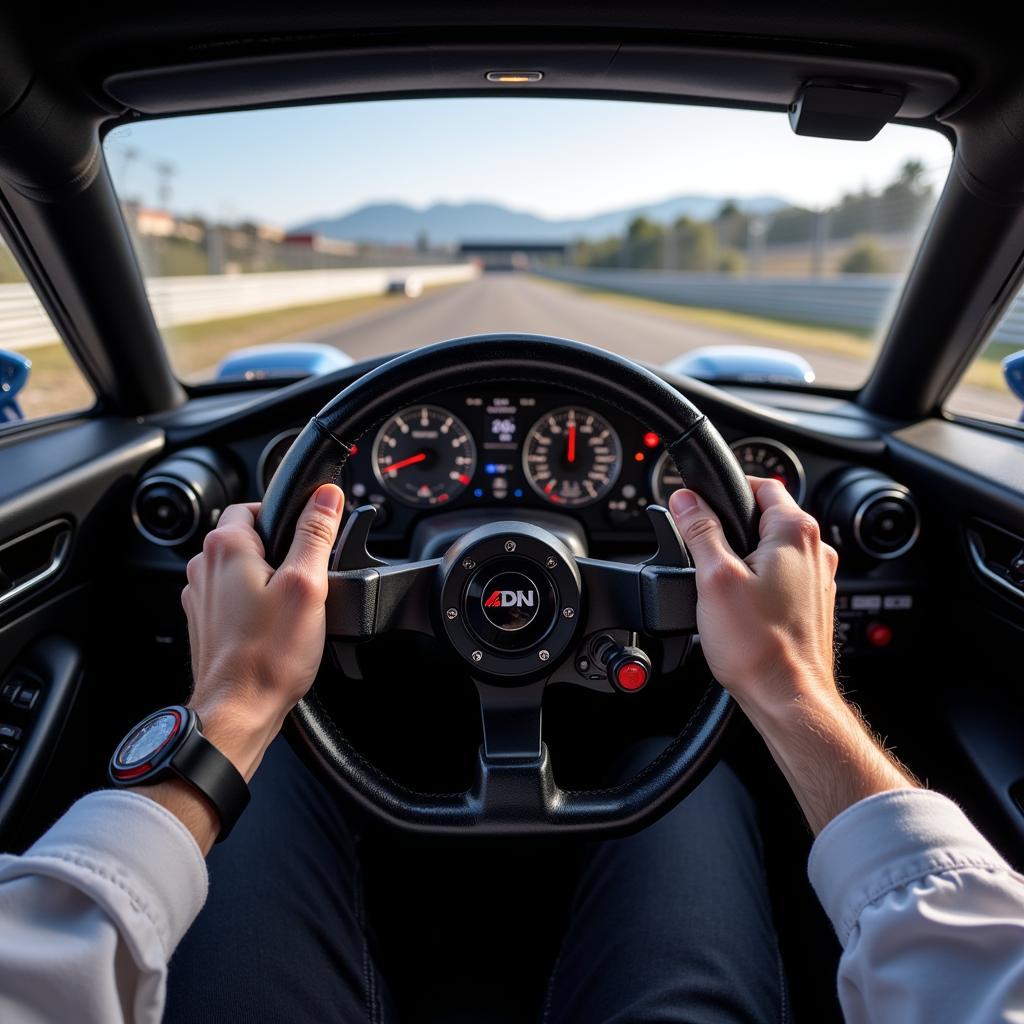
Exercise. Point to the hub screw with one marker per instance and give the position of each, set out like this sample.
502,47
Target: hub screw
468,563
510,545
452,613
551,561
568,613
543,655
477,655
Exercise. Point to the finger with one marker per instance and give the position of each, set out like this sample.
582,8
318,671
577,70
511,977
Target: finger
769,493
782,519
240,521
700,529
315,533
243,515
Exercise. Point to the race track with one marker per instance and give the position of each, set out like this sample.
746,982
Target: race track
502,302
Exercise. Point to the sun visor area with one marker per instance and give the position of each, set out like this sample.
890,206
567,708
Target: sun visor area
743,78
843,112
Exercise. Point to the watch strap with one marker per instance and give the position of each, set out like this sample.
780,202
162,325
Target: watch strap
202,765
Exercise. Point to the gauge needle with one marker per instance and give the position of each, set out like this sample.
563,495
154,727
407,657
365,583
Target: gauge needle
571,454
411,461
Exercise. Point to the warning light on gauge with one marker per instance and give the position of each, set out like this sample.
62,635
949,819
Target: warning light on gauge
639,457
651,440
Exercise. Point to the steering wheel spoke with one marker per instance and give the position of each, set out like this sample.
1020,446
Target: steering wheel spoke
369,602
510,717
656,600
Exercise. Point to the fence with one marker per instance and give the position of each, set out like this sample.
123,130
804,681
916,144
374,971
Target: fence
860,301
179,300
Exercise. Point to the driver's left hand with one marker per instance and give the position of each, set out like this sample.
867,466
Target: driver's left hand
256,633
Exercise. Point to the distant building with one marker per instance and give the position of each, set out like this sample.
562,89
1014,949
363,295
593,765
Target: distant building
154,223
496,254
320,244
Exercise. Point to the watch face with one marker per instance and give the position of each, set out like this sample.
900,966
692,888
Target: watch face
140,747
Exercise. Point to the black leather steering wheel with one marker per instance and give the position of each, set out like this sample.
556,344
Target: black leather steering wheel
575,598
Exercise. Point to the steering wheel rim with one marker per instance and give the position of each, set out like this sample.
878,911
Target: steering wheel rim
514,792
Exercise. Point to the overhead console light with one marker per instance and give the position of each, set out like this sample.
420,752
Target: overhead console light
853,112
514,77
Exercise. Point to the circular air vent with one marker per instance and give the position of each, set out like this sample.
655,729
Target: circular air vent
869,515
886,523
179,499
165,510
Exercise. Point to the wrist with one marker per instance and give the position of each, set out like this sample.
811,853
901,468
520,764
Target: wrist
790,697
826,752
241,731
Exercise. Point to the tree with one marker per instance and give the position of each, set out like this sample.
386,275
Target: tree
866,257
694,246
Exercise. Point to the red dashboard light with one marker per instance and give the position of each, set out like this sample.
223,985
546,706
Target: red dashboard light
639,457
651,439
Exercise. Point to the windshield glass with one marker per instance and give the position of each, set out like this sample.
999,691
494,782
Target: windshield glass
715,242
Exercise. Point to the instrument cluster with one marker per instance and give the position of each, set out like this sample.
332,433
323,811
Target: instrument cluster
519,450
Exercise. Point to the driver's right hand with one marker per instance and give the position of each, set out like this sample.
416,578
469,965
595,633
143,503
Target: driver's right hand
765,621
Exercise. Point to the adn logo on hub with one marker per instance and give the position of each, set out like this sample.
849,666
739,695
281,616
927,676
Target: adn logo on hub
510,599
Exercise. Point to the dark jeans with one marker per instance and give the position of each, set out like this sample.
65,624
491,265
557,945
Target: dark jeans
671,924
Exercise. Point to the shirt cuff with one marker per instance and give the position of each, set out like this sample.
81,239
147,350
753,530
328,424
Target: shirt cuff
131,855
887,841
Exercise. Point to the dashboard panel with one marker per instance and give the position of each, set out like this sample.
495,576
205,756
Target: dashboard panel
580,468
518,450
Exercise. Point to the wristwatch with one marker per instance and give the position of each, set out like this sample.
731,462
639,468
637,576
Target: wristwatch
171,742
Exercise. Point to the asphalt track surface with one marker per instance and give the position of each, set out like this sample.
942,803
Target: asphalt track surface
512,302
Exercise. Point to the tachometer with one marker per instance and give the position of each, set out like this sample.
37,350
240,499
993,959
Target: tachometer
665,479
424,456
761,456
273,455
572,457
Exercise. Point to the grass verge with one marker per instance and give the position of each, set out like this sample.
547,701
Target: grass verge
56,385
984,372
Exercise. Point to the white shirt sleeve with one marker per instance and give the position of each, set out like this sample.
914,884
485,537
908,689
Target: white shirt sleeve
91,913
930,917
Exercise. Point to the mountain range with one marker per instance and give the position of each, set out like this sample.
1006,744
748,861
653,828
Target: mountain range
448,223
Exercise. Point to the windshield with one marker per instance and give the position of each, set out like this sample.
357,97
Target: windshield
713,242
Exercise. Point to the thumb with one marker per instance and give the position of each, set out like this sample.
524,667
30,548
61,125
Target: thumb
316,531
700,529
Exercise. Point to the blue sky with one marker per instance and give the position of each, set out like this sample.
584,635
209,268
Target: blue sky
558,158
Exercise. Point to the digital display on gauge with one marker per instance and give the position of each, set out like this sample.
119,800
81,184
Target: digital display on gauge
502,421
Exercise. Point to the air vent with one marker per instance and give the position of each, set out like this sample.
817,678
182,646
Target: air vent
869,515
886,523
165,510
181,498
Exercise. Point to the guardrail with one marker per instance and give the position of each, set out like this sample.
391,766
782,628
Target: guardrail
180,300
859,301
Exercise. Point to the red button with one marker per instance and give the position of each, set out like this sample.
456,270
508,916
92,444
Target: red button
631,675
878,634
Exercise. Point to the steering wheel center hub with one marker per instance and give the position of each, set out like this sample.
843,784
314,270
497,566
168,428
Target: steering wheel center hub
509,597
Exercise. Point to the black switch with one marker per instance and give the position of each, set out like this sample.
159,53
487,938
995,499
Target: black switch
9,732
1016,569
26,698
7,752
9,692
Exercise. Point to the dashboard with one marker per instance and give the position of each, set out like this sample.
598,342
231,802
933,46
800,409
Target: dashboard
581,468
521,450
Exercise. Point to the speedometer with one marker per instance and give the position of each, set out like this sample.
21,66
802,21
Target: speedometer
572,457
761,456
424,456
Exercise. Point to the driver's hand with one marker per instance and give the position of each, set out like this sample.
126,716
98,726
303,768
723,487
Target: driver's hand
765,621
256,633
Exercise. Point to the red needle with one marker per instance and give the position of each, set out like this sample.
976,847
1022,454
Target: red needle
411,461
572,442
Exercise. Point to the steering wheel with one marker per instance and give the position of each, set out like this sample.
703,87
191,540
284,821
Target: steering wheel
564,610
